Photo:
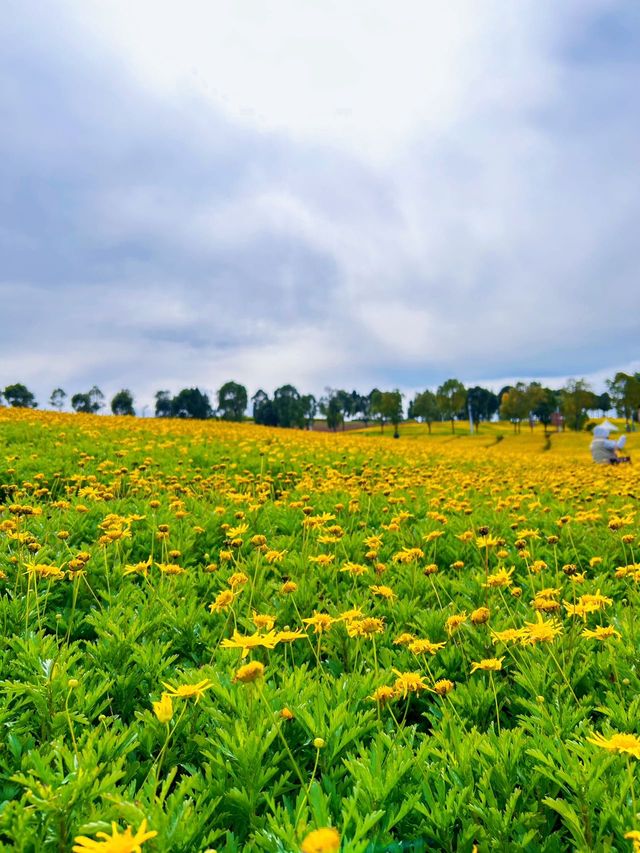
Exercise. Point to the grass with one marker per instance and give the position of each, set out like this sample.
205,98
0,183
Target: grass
443,624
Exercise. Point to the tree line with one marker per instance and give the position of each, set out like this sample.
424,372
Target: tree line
523,402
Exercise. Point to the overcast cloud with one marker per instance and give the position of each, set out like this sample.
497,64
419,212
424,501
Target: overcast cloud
345,194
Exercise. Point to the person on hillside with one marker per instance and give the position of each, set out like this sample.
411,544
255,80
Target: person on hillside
604,450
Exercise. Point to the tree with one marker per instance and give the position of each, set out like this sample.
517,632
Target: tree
375,407
89,403
287,407
391,407
334,406
625,395
122,403
514,405
361,406
163,404
263,411
575,398
309,408
97,399
232,401
386,406
425,407
330,408
451,397
57,398
191,403
544,405
534,396
81,403
604,403
482,404
19,396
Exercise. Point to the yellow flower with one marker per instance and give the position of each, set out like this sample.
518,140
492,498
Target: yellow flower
384,591
249,672
480,616
403,639
289,636
487,665
235,532
598,601
252,641
634,835
170,569
486,541
164,708
546,605
383,694
288,587
223,600
443,686
45,571
453,622
500,578
509,635
137,568
540,631
350,615
355,569
601,632
322,559
423,647
189,691
322,841
408,555
435,534
116,842
274,557
365,627
629,744
408,682
321,622
263,620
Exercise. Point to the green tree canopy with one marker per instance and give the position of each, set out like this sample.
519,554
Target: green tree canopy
482,404
19,396
624,391
89,402
163,404
575,398
232,401
425,408
263,410
191,403
451,397
58,396
288,407
122,403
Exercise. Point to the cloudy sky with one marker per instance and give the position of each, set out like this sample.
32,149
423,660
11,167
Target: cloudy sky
324,193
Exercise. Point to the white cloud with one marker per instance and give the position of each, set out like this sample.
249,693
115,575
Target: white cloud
366,74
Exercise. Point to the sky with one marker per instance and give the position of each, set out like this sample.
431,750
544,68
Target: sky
327,194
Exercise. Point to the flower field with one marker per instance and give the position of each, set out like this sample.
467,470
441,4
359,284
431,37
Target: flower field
234,638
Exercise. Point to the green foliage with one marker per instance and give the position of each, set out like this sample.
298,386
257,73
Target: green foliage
169,522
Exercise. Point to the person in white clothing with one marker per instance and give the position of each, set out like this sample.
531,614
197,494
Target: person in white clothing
604,450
